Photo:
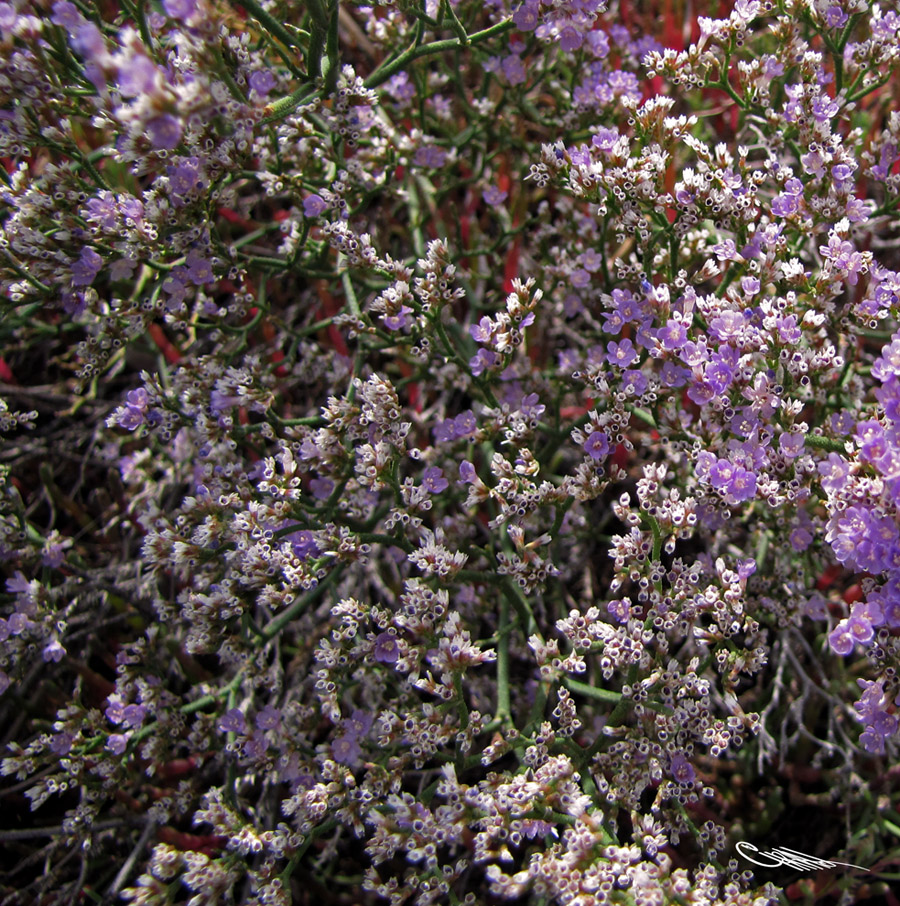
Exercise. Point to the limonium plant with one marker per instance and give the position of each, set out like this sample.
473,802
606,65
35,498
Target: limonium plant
451,451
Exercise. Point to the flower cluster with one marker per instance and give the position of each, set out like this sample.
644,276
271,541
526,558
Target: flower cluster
451,452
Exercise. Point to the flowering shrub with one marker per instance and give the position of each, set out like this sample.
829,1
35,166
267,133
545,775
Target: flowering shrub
452,450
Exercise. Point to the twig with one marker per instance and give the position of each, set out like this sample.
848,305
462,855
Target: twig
126,869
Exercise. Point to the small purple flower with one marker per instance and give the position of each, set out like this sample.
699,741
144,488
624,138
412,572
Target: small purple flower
681,769
53,651
345,749
269,718
303,544
261,81
88,41
180,9
86,268
122,269
433,480
840,639
525,18
673,336
60,743
494,196
570,37
386,650
597,445
791,445
199,269
750,285
133,715
256,745
484,360
358,723
621,354
482,331
464,424
66,15
164,132
313,205
430,157
233,721
102,210
321,488
117,743
467,472
399,320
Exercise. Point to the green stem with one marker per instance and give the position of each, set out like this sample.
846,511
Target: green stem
273,26
503,699
390,68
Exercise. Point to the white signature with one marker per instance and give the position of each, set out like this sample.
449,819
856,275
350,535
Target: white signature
789,857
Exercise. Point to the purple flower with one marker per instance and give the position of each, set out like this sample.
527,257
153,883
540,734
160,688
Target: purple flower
681,769
433,480
482,361
269,718
597,445
313,205
262,81
430,156
467,472
358,723
199,269
345,749
513,69
494,196
60,743
53,651
137,75
102,210
256,745
386,650
180,9
233,721
525,18
303,544
621,354
185,177
570,37
88,41
117,743
673,336
482,331
164,132
86,268
840,639
399,320
66,15
321,488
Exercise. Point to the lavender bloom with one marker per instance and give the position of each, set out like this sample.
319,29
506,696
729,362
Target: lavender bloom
164,132
180,9
494,196
233,721
386,650
433,480
117,743
313,205
86,268
597,445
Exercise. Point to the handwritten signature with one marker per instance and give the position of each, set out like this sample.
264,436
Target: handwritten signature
789,857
